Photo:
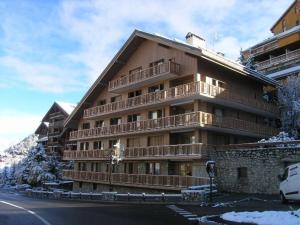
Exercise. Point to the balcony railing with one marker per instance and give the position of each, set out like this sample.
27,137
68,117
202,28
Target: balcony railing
264,48
59,123
164,151
289,56
87,154
188,120
172,182
179,92
143,75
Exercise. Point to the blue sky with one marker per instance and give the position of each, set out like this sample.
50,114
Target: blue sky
54,50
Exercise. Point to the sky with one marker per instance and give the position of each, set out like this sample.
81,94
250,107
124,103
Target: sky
54,50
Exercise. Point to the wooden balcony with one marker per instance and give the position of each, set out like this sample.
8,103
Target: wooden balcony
261,49
87,154
167,182
152,74
194,90
183,151
289,57
189,120
59,123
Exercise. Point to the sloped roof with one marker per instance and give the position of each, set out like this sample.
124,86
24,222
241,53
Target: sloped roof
275,37
285,72
285,12
133,42
65,107
43,125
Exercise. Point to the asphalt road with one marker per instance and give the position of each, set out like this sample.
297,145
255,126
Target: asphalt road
16,209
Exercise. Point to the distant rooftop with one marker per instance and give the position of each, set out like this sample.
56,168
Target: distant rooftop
66,106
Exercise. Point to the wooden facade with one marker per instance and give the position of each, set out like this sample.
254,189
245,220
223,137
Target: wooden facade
165,104
279,55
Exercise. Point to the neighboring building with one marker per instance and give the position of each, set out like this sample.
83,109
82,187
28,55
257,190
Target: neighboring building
254,167
56,136
42,132
278,56
164,104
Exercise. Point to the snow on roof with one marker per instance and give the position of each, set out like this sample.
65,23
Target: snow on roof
43,139
66,106
216,56
274,37
283,73
46,124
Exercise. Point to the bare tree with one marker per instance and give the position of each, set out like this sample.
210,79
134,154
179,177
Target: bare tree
289,100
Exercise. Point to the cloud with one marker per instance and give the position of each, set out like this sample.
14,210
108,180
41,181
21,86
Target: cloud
15,126
44,77
55,41
101,26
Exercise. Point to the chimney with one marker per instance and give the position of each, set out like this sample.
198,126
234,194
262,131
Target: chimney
195,40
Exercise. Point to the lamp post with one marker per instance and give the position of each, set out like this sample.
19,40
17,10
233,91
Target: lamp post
210,169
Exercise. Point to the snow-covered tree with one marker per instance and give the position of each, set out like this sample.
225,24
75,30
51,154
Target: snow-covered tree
38,167
289,100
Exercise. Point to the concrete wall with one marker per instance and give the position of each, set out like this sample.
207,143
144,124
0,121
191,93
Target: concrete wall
263,167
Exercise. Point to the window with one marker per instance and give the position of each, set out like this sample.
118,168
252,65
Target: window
130,168
285,174
94,186
155,114
133,142
86,146
153,168
83,166
155,140
81,146
155,67
185,169
133,118
134,93
80,184
156,88
97,145
86,126
115,121
116,98
112,143
99,123
157,169
101,102
221,84
135,70
98,167
242,172
214,82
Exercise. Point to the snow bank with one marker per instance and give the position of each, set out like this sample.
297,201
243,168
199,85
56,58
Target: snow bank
281,137
265,218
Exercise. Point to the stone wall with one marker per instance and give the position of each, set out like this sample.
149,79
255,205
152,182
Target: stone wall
253,170
89,187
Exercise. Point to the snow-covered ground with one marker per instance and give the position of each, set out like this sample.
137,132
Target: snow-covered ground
265,218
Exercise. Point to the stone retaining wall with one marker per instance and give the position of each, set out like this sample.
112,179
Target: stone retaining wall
253,170
190,196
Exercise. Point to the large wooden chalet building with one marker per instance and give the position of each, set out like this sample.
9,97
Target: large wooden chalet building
164,104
